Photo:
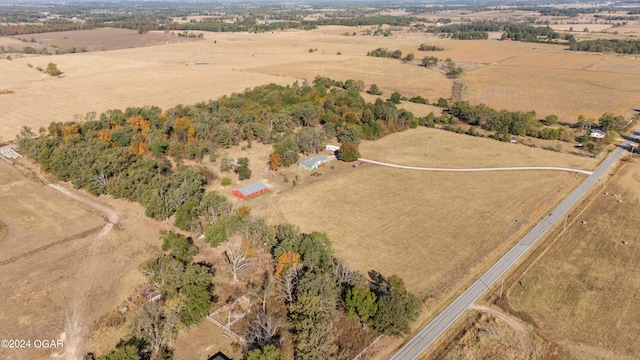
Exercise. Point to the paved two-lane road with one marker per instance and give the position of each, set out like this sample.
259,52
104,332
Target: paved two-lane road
433,330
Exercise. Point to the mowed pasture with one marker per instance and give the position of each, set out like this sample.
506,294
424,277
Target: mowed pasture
435,230
425,147
583,292
58,274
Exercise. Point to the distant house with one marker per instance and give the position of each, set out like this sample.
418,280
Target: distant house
598,134
332,148
250,191
314,162
219,356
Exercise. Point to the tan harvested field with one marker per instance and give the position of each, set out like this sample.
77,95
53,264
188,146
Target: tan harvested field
394,220
190,72
550,80
499,15
58,273
95,39
583,292
510,75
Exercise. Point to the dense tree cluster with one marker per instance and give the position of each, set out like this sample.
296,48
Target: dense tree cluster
125,154
477,30
187,297
528,33
425,47
505,123
623,46
382,52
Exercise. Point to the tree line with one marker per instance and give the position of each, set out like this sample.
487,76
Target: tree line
622,46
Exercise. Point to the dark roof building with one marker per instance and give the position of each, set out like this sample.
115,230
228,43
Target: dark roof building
219,356
250,191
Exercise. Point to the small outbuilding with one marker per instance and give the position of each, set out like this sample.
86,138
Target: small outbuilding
314,162
332,148
150,294
250,191
597,134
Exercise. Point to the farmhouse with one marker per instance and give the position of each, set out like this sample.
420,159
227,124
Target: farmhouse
597,133
250,191
314,162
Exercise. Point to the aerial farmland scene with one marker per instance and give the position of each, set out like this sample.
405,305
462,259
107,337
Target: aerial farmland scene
319,180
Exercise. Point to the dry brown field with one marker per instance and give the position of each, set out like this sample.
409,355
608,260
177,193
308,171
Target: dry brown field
189,72
509,75
393,220
583,292
497,15
550,80
58,273
428,228
94,40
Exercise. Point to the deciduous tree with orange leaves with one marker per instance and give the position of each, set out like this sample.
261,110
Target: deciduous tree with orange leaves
274,161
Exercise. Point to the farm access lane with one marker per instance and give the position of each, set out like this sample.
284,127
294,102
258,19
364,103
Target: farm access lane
417,345
513,168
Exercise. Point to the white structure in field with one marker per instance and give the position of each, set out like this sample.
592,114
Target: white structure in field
598,134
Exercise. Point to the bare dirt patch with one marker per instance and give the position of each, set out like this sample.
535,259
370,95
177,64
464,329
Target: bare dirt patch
568,289
494,334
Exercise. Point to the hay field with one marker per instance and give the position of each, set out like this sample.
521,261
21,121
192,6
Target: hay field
59,291
436,148
190,72
432,229
554,82
583,292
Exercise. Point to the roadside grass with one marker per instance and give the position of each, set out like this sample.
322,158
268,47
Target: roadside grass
583,292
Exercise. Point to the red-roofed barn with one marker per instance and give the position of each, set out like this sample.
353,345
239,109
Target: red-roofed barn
250,191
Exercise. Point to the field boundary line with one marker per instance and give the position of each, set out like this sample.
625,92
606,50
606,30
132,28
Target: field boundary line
40,249
511,168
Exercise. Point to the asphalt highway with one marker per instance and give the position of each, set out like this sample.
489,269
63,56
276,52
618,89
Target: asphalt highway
417,345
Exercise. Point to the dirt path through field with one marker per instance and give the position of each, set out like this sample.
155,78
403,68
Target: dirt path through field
478,169
111,215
